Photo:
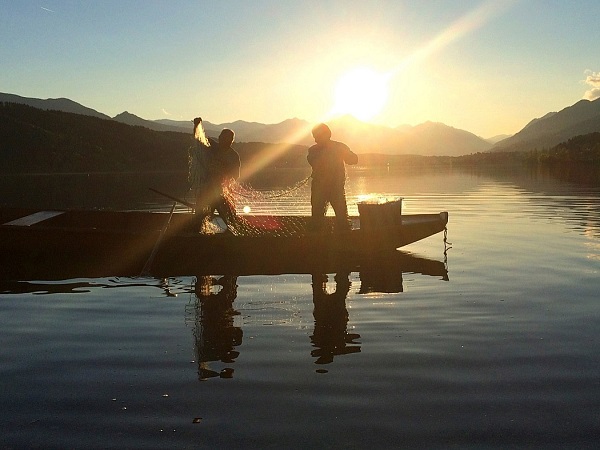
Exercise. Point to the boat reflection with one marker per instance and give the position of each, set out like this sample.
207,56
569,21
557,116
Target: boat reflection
217,339
212,312
330,336
215,335
386,281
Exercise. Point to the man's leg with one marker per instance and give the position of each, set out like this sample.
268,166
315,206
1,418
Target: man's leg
340,207
226,210
201,217
318,204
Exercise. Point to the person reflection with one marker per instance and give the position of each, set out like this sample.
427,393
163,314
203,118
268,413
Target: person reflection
214,333
330,336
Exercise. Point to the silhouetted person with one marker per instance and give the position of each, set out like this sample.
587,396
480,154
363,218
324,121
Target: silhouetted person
330,336
215,334
327,159
214,165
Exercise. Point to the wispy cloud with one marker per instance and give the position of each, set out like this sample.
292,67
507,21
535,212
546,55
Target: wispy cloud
46,9
171,115
592,79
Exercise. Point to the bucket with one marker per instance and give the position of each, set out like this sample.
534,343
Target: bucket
375,215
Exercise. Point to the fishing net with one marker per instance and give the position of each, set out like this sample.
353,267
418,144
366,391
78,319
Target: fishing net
281,211
273,212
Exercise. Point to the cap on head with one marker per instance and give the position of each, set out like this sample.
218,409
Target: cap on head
321,132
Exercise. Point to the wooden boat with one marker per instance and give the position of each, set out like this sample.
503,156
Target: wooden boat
95,243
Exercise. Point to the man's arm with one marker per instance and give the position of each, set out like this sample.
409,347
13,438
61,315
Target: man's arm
350,157
236,166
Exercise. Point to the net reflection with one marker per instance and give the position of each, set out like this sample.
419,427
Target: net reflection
215,335
330,337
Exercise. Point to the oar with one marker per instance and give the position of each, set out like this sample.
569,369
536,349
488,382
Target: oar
178,200
146,269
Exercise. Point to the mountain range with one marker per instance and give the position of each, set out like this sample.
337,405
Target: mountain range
429,138
555,127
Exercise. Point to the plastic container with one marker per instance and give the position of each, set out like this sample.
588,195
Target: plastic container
378,214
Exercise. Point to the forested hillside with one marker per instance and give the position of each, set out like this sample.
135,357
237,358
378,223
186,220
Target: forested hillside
580,150
34,140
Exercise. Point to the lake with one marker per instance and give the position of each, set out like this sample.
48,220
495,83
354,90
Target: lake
498,351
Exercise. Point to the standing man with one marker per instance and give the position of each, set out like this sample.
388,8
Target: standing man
327,159
214,165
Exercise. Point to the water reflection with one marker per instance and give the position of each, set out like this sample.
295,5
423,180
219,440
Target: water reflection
330,336
42,288
570,193
215,335
389,281
217,339
76,286
215,319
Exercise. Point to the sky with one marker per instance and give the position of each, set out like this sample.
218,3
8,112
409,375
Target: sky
488,67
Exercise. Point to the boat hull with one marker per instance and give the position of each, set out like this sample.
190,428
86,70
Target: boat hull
35,245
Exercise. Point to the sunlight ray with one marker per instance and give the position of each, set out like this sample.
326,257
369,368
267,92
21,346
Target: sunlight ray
468,23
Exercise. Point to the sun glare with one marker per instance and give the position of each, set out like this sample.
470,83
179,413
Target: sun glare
361,92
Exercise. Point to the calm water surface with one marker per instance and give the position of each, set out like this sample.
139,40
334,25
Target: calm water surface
503,352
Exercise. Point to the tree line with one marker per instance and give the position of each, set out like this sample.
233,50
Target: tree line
584,149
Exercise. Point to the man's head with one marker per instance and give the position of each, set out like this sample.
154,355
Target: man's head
226,138
321,133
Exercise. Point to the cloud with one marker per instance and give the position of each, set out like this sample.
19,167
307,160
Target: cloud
172,115
592,79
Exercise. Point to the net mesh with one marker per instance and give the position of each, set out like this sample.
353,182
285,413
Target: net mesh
284,211
273,212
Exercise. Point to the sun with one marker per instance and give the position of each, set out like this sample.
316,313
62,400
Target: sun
361,92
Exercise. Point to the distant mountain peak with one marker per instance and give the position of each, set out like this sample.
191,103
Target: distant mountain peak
431,124
131,119
583,117
127,114
56,104
497,138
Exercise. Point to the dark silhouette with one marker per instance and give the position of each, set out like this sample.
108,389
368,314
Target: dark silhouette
327,159
214,165
33,140
214,333
330,337
382,276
